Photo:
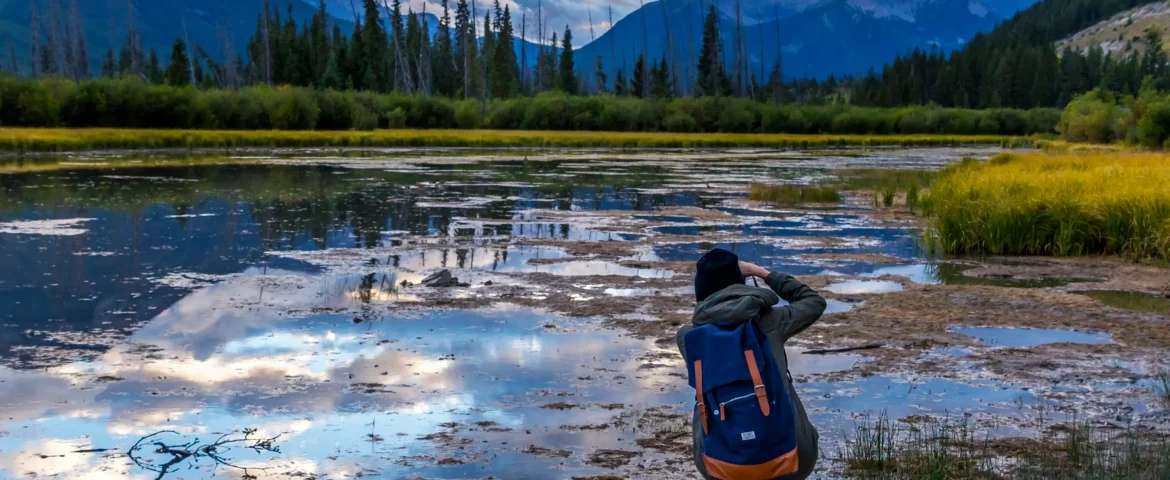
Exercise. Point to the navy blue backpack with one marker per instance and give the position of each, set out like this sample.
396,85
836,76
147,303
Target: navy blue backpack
749,423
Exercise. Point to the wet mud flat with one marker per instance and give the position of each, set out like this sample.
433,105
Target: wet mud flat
289,299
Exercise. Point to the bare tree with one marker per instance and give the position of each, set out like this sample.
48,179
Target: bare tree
669,46
645,44
80,52
524,50
191,49
540,44
132,40
35,38
592,38
268,47
12,55
612,48
424,56
56,52
690,64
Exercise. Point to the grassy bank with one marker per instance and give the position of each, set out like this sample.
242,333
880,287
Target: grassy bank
893,451
1054,204
60,139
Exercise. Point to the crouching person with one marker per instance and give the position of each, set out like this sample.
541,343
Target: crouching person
749,423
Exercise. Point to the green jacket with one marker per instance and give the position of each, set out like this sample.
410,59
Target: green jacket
740,303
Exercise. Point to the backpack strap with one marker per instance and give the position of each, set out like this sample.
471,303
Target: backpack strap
758,381
699,393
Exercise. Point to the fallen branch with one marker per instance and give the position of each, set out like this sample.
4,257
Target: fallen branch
215,451
826,351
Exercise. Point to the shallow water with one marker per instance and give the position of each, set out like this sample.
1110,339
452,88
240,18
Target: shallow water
1030,337
1133,301
209,298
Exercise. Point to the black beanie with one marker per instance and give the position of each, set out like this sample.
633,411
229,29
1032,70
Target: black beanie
718,269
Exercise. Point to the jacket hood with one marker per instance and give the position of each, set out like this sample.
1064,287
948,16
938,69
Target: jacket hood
734,304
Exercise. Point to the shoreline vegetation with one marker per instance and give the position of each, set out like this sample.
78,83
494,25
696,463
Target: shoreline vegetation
1053,204
81,139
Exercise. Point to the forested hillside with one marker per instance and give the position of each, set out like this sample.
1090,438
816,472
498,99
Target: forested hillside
1017,64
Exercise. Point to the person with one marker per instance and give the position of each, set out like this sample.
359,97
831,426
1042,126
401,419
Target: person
724,297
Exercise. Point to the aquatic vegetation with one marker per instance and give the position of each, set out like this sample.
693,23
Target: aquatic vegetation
1040,204
882,178
793,194
883,449
61,139
1133,301
1162,386
888,195
912,196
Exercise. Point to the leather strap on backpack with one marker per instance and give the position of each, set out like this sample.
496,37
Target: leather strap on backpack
758,381
699,393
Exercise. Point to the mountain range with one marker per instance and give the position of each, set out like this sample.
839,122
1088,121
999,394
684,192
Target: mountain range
815,37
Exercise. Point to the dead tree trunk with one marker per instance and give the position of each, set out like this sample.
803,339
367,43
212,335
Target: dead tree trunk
35,38
612,49
645,44
596,58
669,47
268,48
424,57
524,51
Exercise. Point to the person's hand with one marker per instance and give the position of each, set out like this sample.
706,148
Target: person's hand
752,270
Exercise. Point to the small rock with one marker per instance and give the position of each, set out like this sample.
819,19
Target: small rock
443,279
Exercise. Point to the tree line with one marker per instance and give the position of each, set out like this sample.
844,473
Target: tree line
471,54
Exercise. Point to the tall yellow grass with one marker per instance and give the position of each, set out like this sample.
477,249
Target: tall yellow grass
50,139
1054,204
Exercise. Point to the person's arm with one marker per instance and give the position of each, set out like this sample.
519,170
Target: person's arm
804,309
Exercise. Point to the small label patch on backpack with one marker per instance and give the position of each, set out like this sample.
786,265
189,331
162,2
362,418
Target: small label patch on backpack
745,436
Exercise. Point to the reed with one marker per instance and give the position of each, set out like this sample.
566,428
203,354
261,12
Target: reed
887,450
61,139
1041,204
793,194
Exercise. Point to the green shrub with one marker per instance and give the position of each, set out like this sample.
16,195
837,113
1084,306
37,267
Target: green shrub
679,122
1091,117
468,115
549,111
291,109
619,115
508,114
738,117
916,120
336,110
1154,127
651,114
430,112
396,118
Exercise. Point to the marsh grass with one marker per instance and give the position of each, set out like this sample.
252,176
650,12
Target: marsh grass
1066,205
887,450
793,194
61,139
1162,386
883,178
888,195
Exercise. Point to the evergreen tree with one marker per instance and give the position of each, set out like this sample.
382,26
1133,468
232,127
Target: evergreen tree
505,71
568,76
639,83
374,54
179,72
600,77
712,79
443,61
621,86
466,54
109,65
154,71
661,85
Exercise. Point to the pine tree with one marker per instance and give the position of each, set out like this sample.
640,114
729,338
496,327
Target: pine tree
568,76
466,57
443,61
661,85
179,71
639,83
712,79
600,77
321,54
505,71
373,58
109,65
620,85
154,71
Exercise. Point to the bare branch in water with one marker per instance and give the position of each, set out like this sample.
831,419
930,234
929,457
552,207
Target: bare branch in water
216,451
